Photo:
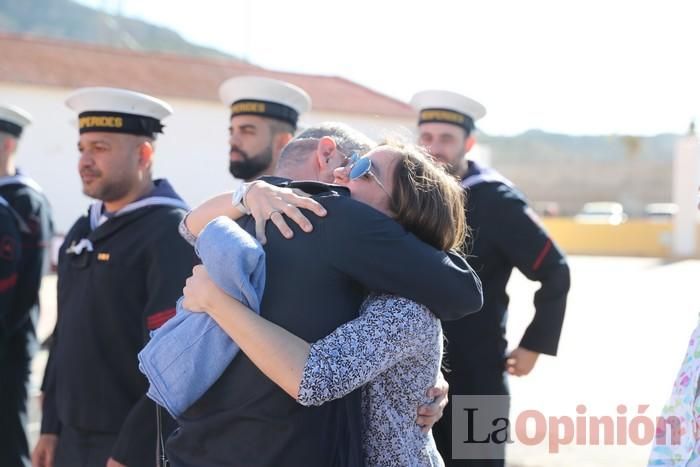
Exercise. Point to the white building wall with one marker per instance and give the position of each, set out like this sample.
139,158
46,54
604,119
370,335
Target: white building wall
47,151
686,179
192,154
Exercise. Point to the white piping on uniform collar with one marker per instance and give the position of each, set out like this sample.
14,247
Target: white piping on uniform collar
77,248
21,180
97,218
486,175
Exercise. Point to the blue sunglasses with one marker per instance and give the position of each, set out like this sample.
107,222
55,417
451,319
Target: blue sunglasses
362,167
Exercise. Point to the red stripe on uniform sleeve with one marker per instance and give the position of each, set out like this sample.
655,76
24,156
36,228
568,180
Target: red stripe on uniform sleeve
7,283
538,262
156,320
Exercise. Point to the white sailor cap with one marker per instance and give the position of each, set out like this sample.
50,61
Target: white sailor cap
447,107
115,110
13,120
266,97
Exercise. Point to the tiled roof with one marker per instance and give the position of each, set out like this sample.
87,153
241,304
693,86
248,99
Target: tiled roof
49,62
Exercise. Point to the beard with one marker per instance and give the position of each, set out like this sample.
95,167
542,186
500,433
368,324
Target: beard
104,190
251,166
452,165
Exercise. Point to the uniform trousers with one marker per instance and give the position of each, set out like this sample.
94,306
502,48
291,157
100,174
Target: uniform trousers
15,360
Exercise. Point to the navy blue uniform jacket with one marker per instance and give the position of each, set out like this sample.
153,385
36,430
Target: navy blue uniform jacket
108,301
34,211
506,234
10,256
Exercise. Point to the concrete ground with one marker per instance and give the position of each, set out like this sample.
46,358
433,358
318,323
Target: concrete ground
626,331
625,334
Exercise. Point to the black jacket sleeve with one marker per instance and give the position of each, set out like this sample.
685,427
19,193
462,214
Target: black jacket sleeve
169,265
10,261
34,210
528,246
377,252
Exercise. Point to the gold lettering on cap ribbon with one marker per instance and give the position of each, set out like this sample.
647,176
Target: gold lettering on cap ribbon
442,115
101,122
248,107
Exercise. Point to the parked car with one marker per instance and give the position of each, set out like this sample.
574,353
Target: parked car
602,212
660,211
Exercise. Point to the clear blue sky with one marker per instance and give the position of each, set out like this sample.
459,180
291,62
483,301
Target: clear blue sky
580,67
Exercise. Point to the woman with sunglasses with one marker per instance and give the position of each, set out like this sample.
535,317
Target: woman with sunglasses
393,349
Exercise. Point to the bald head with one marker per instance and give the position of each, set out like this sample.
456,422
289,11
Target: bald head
300,149
318,150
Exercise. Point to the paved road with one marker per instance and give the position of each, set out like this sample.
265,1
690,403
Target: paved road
625,334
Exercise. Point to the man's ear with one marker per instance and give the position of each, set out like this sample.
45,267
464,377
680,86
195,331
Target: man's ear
280,140
324,150
469,144
145,154
9,145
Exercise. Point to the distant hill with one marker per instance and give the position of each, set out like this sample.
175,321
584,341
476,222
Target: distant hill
537,145
66,19
571,170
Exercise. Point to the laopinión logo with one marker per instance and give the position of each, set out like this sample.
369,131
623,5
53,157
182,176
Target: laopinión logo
482,427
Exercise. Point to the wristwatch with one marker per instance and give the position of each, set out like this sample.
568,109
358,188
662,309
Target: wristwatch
238,197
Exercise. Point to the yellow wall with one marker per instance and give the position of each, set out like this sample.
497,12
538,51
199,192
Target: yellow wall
636,237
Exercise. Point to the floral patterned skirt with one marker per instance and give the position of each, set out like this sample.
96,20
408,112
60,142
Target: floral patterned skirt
677,440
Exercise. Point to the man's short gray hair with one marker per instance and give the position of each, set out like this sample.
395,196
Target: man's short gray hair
346,138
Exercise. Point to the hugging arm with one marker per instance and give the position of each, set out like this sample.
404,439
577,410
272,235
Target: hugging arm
349,357
379,254
263,200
